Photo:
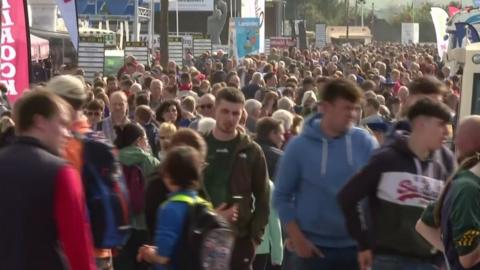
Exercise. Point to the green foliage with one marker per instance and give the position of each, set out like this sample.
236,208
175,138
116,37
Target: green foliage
418,14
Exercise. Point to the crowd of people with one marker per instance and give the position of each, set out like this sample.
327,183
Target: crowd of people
333,158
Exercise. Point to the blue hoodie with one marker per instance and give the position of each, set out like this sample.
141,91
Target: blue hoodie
312,171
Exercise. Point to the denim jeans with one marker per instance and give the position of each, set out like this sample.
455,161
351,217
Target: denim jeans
392,262
335,259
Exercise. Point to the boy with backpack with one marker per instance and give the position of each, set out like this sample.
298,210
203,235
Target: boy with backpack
188,234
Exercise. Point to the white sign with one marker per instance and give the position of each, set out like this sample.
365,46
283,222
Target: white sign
139,50
256,8
91,56
190,5
320,35
187,45
410,33
201,45
175,50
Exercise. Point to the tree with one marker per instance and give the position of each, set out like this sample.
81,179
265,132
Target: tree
164,33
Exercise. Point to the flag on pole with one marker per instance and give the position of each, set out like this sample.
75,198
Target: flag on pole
15,48
68,10
439,18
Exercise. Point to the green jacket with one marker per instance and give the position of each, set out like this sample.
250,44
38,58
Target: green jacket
272,242
134,155
249,178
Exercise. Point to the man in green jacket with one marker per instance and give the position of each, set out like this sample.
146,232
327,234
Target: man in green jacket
236,177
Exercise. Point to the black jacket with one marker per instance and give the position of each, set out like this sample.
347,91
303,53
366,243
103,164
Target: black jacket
28,236
272,155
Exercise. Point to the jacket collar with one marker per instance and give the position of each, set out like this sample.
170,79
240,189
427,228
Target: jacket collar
28,140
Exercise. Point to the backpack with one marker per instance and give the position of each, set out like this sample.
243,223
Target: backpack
207,238
136,187
105,192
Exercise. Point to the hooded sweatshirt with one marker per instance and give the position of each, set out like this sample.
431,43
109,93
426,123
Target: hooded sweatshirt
312,170
398,186
134,155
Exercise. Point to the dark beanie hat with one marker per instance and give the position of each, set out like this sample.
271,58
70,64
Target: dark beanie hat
128,134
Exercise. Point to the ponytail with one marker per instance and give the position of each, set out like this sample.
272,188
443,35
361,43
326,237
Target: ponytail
464,165
128,134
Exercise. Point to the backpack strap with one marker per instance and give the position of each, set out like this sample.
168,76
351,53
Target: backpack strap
189,200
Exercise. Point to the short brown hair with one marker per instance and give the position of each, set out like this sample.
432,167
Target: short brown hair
341,88
144,113
40,102
183,165
230,94
373,102
265,126
95,105
187,136
427,86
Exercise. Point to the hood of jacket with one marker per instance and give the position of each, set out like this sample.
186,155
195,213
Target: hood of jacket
313,131
132,155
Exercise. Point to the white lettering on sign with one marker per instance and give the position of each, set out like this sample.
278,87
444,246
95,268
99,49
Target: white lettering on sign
7,70
5,4
7,36
7,52
10,84
6,18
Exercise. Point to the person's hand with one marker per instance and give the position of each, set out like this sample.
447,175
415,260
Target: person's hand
304,248
145,253
365,259
229,213
289,245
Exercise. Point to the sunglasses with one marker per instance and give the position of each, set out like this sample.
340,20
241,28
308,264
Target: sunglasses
93,113
206,106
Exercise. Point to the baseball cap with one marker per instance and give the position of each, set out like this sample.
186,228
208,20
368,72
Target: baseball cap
67,86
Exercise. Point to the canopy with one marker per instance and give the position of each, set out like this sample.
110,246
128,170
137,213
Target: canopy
39,47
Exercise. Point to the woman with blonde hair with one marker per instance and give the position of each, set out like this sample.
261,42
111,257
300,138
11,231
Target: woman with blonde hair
165,134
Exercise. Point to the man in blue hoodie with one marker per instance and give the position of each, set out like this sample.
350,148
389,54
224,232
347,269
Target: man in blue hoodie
315,166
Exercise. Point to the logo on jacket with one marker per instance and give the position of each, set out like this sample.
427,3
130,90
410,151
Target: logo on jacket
407,190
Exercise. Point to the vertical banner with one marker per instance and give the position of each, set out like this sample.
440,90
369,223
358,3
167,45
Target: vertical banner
14,48
439,18
68,10
244,36
256,8
410,33
320,35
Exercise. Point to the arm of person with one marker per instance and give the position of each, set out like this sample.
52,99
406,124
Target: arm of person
149,254
430,234
261,191
73,229
151,164
171,218
360,186
288,179
275,230
465,220
427,229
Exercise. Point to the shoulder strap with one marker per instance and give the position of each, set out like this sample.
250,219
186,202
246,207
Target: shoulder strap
189,200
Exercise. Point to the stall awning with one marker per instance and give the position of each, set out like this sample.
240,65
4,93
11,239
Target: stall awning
40,48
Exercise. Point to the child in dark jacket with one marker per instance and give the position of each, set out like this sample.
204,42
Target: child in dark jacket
181,172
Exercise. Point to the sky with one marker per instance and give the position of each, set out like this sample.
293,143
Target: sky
385,3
